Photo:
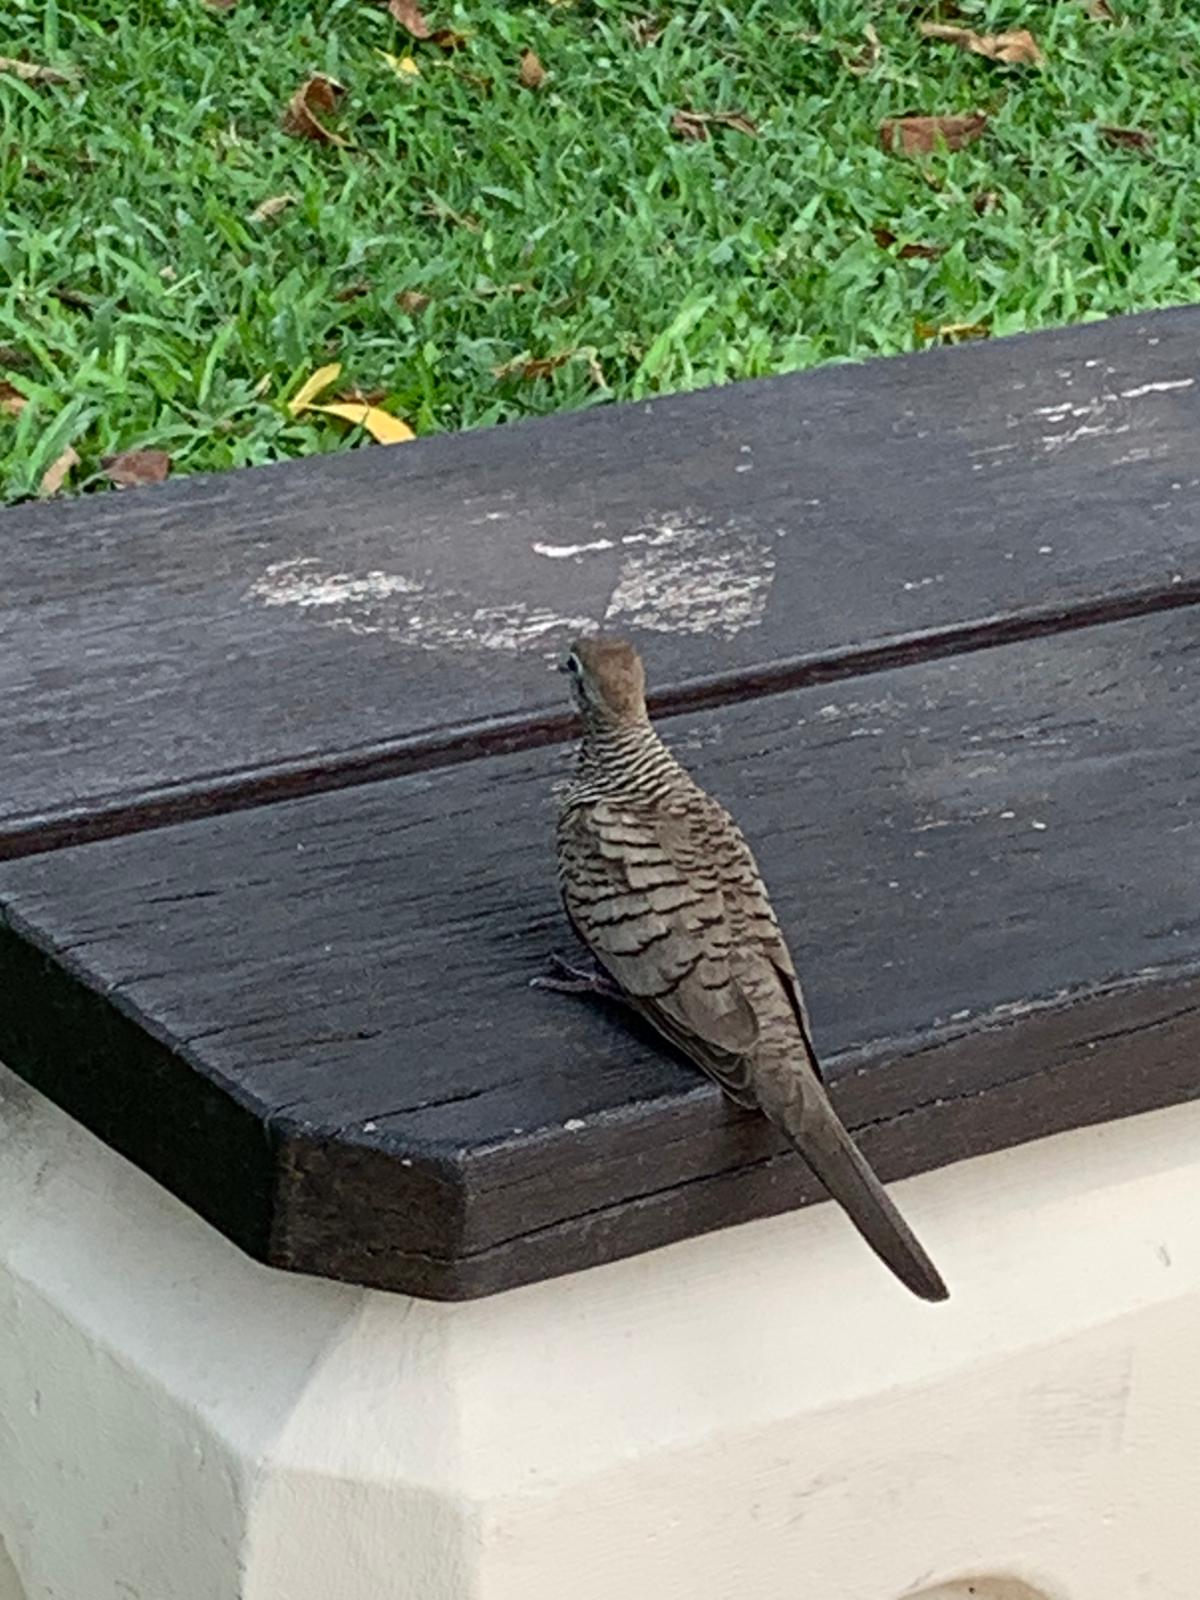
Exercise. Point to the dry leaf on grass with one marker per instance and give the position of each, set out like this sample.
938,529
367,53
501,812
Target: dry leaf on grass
354,396
986,200
352,291
318,94
955,332
915,251
695,124
1018,48
220,5
133,468
56,474
1099,10
921,136
12,401
267,210
532,74
446,214
34,72
381,425
412,301
529,368
410,17
867,56
646,30
1128,138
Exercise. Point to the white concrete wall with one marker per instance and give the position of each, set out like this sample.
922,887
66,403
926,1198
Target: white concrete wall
761,1413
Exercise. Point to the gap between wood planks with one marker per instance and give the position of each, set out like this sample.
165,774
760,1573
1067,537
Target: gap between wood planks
505,735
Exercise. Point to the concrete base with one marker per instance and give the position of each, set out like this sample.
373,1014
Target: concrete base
761,1413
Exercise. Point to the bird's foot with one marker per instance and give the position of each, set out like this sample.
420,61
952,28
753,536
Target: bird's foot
565,977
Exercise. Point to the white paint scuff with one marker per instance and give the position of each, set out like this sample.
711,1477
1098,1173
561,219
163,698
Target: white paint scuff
678,573
682,575
560,552
405,609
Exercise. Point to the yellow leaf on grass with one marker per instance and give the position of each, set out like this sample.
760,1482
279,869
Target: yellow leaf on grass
321,379
381,425
402,66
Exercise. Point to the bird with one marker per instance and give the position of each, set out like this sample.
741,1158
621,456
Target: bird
660,884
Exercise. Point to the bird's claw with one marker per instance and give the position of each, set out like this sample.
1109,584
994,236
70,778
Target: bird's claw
565,977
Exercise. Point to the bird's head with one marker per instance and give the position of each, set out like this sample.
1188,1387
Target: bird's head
607,680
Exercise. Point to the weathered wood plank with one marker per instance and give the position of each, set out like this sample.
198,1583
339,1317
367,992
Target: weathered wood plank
311,1020
223,641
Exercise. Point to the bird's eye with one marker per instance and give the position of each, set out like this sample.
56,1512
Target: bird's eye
573,666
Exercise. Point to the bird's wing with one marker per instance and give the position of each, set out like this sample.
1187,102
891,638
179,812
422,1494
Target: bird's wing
638,890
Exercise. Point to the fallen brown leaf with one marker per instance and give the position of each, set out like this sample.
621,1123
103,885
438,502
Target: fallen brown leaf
921,136
12,401
448,40
267,210
458,219
646,30
986,200
358,397
955,332
689,125
532,74
408,14
1099,11
1128,138
318,94
885,239
72,297
56,474
220,5
1017,48
133,468
695,124
868,56
528,368
34,72
352,291
412,301
916,250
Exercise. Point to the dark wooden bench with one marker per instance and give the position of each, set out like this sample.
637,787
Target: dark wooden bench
276,811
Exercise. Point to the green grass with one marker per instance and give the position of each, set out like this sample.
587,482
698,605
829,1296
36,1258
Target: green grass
140,305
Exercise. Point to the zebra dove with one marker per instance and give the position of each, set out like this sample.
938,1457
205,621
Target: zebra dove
660,884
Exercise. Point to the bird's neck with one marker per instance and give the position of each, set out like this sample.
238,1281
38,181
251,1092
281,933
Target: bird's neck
625,757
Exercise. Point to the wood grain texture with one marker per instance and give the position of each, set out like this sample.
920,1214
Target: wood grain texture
311,1020
220,642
